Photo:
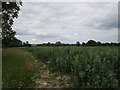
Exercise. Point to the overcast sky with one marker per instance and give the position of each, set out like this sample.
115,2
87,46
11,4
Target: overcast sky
68,22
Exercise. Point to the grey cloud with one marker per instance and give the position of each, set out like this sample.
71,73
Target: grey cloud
47,36
53,21
108,23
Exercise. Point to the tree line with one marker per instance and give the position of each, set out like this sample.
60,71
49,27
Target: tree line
89,43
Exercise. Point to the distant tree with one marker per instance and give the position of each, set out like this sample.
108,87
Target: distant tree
83,44
44,44
10,11
58,43
91,43
99,43
77,43
52,44
26,44
38,45
48,44
118,44
107,44
73,45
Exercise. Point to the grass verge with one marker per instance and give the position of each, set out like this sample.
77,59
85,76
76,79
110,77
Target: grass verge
17,68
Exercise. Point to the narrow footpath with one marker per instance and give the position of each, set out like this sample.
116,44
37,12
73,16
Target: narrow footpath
43,78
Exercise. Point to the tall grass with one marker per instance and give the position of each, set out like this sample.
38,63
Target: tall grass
16,71
95,67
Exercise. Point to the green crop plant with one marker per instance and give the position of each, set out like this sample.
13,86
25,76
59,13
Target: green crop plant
96,67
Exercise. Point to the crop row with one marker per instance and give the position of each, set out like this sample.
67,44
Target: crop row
96,67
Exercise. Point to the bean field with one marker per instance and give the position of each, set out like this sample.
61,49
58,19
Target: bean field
90,67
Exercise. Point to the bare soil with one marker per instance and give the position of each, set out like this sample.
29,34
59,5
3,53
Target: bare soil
44,78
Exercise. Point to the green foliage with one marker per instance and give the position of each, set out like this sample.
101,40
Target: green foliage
77,43
95,67
91,43
58,43
15,73
10,11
